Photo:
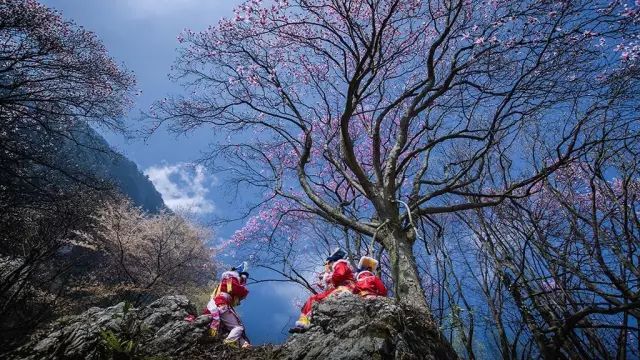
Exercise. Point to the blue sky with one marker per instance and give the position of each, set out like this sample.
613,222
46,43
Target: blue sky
142,35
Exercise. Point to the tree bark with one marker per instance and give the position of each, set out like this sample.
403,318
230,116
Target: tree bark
407,286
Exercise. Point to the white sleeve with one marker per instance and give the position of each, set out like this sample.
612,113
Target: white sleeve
211,306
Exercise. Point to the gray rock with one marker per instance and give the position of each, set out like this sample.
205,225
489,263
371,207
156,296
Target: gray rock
347,327
158,329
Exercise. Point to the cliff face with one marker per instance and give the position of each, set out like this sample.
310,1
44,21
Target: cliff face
345,327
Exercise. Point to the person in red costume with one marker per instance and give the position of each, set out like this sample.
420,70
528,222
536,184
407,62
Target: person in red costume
368,285
337,278
231,290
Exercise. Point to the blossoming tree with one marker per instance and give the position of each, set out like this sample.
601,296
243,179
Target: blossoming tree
375,115
54,75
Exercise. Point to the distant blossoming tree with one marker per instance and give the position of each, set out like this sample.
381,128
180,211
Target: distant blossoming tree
151,254
375,115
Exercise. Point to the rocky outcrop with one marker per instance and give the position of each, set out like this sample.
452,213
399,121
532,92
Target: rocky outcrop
348,327
157,329
345,327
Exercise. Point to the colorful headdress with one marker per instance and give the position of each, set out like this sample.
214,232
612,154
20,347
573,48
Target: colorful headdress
242,268
368,263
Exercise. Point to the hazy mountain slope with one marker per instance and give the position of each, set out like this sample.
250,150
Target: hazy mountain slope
90,151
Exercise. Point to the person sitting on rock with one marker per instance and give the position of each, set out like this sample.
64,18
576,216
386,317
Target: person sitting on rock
337,278
368,285
231,290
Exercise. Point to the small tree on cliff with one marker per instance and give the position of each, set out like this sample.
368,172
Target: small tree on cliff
376,114
150,254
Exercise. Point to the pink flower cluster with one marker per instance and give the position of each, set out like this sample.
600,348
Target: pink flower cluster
281,218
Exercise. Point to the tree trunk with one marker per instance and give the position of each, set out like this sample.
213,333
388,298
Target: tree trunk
407,286
408,290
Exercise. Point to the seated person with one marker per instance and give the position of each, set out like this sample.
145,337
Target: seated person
231,290
337,277
369,285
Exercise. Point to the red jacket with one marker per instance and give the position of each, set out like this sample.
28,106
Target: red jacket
342,274
231,290
369,284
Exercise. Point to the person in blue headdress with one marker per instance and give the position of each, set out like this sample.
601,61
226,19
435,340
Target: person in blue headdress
337,277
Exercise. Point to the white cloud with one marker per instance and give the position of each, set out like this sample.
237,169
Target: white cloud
183,186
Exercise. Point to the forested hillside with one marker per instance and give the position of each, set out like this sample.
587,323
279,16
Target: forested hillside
79,224
89,151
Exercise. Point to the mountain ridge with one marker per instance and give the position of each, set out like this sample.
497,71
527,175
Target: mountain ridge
93,154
